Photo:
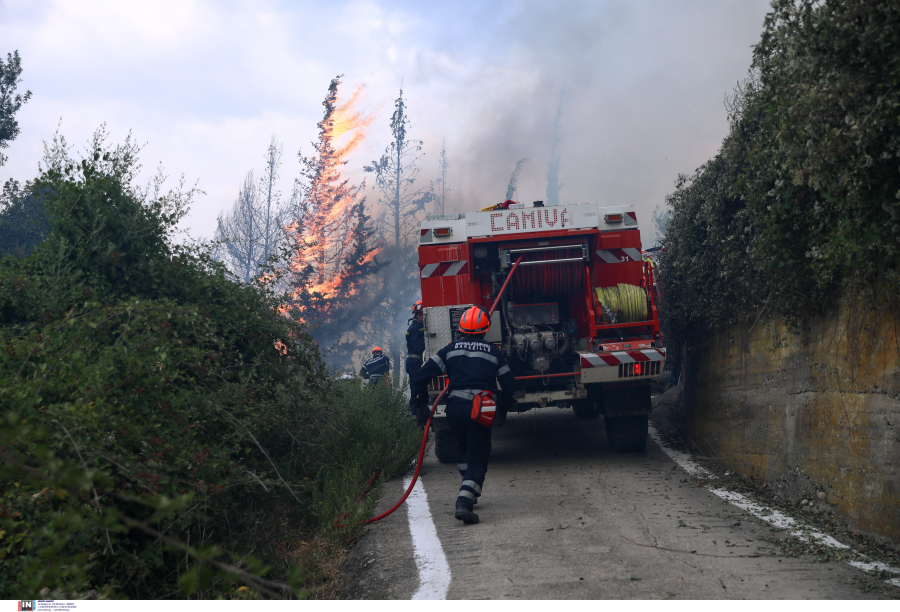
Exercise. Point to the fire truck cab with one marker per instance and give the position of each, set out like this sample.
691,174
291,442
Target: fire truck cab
578,322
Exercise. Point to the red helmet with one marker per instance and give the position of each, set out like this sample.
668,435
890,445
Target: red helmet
475,321
418,307
376,350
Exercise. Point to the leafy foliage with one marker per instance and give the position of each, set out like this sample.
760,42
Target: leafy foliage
154,414
804,192
10,102
23,223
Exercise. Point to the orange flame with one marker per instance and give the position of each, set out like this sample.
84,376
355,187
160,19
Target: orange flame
324,236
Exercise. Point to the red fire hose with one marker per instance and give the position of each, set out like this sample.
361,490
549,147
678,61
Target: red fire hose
428,423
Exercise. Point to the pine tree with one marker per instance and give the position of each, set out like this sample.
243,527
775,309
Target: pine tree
441,187
334,250
395,176
403,205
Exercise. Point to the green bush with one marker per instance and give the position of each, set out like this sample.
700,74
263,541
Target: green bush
165,430
804,193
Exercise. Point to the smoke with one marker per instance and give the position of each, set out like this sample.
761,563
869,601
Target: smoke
644,86
514,179
553,184
645,82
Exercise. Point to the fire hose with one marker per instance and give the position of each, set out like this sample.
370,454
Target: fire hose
428,423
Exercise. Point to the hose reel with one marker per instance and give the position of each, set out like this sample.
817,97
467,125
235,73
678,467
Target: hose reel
549,270
629,300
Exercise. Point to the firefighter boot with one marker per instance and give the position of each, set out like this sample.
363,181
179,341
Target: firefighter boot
465,514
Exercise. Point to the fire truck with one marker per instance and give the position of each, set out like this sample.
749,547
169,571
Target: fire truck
578,322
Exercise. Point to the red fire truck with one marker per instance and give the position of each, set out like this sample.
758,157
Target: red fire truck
578,322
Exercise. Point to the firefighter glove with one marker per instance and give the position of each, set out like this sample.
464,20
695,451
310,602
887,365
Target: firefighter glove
422,415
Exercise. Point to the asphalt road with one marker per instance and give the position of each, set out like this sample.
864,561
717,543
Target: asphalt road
565,517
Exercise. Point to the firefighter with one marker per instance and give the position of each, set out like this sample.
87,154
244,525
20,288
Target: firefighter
376,367
473,367
415,347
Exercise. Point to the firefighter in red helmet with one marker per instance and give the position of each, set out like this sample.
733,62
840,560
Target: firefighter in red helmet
376,368
415,347
473,368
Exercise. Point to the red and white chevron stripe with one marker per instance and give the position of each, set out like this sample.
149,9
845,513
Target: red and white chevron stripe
618,255
447,268
594,360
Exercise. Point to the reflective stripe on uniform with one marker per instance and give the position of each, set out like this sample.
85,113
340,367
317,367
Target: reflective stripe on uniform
465,393
468,494
474,486
440,362
462,467
465,353
415,356
503,370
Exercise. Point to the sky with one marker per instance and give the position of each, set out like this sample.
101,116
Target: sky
206,84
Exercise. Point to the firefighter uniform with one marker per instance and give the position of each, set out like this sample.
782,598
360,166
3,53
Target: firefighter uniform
471,366
375,368
415,347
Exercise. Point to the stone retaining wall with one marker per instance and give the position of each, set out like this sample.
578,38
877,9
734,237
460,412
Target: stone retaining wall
814,412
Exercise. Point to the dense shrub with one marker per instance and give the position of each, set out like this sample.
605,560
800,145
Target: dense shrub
804,193
164,429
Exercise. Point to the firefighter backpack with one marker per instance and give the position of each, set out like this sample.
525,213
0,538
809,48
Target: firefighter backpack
484,407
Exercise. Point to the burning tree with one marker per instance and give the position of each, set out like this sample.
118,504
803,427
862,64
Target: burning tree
332,250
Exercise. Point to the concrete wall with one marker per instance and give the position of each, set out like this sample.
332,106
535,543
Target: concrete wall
810,410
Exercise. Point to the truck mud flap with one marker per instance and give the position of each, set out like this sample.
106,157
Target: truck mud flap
626,400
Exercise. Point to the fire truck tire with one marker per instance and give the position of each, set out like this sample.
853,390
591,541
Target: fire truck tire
445,446
585,409
627,434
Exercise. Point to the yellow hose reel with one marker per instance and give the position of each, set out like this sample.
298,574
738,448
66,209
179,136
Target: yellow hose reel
629,300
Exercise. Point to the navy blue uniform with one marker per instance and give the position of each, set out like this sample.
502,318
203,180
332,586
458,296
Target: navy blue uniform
471,366
375,368
415,347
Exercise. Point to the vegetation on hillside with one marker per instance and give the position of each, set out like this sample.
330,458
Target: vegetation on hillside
165,430
804,193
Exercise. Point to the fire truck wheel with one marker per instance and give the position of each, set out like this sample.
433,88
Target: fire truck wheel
585,409
445,446
627,434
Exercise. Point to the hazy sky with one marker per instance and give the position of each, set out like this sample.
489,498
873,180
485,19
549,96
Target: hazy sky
206,84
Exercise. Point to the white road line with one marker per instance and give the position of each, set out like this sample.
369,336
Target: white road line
434,571
682,459
769,515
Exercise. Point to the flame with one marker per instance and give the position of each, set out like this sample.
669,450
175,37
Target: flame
323,238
